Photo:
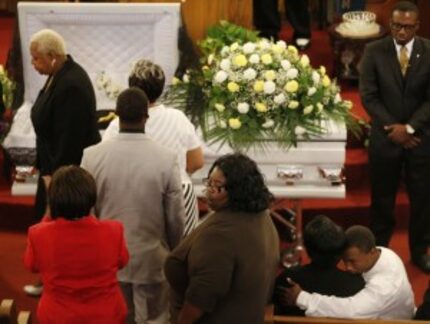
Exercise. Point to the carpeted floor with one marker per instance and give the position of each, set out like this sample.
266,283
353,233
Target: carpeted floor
16,212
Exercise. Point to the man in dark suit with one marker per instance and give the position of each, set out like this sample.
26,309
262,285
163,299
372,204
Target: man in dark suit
423,312
324,242
267,21
395,91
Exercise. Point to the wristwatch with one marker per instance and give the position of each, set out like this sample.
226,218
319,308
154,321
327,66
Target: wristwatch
409,129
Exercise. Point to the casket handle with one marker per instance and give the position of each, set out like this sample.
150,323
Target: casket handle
290,173
333,174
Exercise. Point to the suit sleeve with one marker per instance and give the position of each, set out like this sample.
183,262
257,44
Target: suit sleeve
30,261
369,89
174,207
421,116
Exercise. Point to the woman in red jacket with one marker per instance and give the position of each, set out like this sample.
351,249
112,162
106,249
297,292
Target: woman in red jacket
77,255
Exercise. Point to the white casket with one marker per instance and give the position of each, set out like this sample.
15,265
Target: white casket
111,37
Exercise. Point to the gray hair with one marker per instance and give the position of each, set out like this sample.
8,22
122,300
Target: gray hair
148,77
49,41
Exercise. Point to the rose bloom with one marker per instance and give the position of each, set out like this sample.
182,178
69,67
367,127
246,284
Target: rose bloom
249,74
326,81
234,123
269,87
268,123
225,64
279,99
316,77
233,87
323,70
285,64
291,86
258,86
234,46
308,109
276,49
240,60
254,59
260,107
293,104
311,91
266,59
219,107
281,44
270,75
292,73
243,107
292,49
220,76
248,48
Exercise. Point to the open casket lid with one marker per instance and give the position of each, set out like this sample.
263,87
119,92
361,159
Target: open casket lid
103,37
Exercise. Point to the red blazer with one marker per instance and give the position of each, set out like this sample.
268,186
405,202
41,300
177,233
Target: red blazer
78,262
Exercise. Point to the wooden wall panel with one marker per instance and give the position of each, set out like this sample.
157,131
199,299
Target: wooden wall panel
200,14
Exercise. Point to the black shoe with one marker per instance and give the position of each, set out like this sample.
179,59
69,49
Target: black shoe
423,262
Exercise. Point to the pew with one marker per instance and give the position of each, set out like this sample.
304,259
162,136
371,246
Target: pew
8,313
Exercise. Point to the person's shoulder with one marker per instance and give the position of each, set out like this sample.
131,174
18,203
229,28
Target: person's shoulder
40,228
112,225
379,44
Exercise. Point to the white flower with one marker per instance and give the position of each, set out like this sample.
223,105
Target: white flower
249,74
225,50
281,44
269,87
248,48
316,77
320,107
308,109
254,59
285,64
225,64
304,60
263,44
292,73
210,59
243,107
269,123
220,76
219,107
279,99
337,98
299,130
311,91
186,78
234,46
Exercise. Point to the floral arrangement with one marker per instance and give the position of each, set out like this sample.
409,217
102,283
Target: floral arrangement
249,91
104,83
7,87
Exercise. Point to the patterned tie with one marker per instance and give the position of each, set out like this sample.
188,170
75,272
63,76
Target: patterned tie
403,59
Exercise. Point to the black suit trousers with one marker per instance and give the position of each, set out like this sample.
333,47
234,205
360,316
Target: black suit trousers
267,20
386,174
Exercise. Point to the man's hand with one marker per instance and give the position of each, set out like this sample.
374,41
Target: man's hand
412,142
397,133
288,296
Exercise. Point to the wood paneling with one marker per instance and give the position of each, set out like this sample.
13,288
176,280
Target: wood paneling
200,14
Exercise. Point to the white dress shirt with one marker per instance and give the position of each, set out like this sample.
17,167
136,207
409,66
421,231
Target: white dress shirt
386,295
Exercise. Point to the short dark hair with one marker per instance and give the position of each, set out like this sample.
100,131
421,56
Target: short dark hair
324,241
245,184
132,105
148,77
72,193
360,237
405,6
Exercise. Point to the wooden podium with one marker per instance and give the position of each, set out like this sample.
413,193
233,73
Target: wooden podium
198,15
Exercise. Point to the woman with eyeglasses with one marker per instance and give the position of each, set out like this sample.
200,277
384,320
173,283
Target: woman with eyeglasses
224,271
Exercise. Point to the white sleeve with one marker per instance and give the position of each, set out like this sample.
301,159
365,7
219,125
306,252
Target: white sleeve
191,140
367,303
111,130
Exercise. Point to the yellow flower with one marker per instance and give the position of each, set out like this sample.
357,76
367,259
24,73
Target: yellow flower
175,81
233,87
260,107
234,46
304,60
276,49
326,81
320,107
240,60
292,49
270,75
205,67
308,109
258,86
293,104
219,107
266,59
291,86
234,123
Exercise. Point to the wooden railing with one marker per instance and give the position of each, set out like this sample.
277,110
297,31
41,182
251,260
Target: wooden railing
8,313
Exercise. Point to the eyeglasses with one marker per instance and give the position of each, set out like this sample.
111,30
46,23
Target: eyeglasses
398,27
210,185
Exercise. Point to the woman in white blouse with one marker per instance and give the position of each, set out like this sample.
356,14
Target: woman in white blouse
169,127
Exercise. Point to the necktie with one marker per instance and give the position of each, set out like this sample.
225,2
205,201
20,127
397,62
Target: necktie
403,59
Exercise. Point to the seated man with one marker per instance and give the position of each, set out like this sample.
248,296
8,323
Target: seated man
423,312
324,242
387,293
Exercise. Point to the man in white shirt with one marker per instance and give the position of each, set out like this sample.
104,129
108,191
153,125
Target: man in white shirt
387,293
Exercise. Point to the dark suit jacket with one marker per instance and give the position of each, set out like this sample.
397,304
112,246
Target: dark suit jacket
314,279
64,119
78,262
390,98
423,312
